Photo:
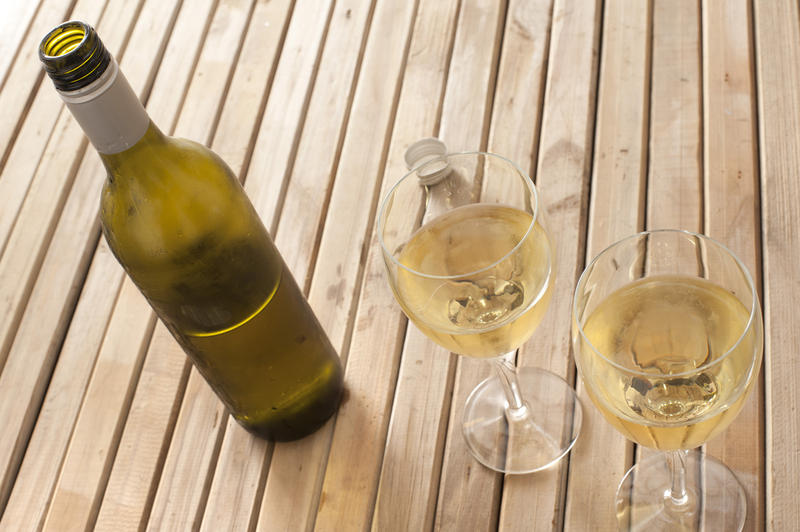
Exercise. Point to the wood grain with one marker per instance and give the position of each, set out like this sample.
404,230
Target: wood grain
602,455
732,208
298,474
675,163
777,38
468,491
31,357
628,115
373,354
562,177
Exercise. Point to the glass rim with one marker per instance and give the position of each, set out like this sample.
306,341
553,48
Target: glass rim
754,307
411,174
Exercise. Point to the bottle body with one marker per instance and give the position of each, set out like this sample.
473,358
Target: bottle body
179,222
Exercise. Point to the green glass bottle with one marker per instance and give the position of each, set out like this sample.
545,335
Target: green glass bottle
179,222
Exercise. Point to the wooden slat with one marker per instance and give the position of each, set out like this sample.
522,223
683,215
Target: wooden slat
30,361
90,173
33,485
139,457
75,499
33,184
535,501
468,491
675,173
279,133
318,149
16,97
198,435
292,493
777,33
184,479
514,133
15,19
303,208
54,296
348,492
602,455
732,209
238,481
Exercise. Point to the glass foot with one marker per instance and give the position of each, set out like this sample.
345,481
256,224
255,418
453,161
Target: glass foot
530,439
715,500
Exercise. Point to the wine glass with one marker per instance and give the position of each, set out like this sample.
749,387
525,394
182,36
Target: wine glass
668,338
471,264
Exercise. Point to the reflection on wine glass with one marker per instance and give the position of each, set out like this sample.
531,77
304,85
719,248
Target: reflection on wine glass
472,266
668,338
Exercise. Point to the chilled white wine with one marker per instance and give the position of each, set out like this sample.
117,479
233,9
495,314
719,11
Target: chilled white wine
675,354
477,279
179,222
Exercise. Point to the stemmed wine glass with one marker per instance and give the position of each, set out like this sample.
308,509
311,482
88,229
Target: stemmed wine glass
668,340
471,264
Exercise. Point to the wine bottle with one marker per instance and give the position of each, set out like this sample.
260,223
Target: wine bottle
179,222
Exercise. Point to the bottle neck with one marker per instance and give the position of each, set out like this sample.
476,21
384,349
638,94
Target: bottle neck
89,80
108,111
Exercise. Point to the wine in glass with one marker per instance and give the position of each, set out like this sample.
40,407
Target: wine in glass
472,266
668,339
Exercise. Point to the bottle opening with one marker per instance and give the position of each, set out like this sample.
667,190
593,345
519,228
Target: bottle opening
63,41
73,55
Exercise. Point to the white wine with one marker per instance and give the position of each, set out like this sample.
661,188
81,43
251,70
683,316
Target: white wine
179,222
475,280
675,360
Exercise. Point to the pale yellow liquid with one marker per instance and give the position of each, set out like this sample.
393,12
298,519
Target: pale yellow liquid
484,308
666,327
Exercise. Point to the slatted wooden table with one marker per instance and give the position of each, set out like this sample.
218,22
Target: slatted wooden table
629,115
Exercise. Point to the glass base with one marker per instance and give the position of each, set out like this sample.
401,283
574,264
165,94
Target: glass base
715,498
534,437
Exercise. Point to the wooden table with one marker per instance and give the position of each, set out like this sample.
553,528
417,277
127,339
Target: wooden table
628,114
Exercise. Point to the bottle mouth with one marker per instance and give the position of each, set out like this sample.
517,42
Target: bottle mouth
73,55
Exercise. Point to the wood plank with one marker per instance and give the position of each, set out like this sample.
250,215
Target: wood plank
199,433
274,150
239,477
292,492
32,355
237,486
184,471
15,19
142,447
75,499
536,502
410,470
777,33
35,181
80,211
348,492
602,455
39,470
515,133
675,173
311,176
16,97
185,479
53,299
468,491
732,209
40,110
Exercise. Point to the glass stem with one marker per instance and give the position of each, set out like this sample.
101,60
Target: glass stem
677,498
507,373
